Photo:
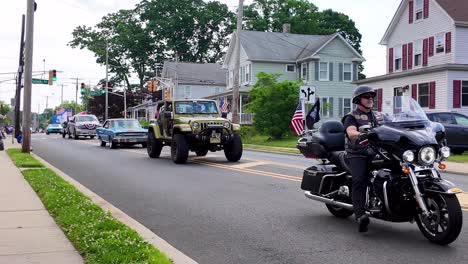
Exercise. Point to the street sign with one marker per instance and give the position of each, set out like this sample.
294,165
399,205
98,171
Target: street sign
307,93
40,81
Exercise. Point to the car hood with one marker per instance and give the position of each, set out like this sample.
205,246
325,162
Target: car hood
121,130
204,118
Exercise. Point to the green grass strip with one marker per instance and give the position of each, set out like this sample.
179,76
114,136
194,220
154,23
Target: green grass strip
269,148
98,236
459,158
23,160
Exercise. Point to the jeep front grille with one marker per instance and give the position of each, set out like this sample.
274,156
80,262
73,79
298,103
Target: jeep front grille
211,124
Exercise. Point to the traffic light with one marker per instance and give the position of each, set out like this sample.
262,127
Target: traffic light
167,94
83,87
54,75
103,88
150,86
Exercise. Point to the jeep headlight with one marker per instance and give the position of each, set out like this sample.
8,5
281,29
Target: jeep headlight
427,155
227,125
195,125
445,152
408,156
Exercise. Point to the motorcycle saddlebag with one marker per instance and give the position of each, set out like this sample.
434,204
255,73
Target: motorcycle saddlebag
312,177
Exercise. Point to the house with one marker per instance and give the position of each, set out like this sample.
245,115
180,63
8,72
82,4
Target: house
327,62
427,55
195,80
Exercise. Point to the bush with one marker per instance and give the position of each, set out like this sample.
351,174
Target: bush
248,132
144,124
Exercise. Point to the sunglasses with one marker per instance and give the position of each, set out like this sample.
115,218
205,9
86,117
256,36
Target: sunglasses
367,96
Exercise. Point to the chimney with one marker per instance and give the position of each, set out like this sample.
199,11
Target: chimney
287,28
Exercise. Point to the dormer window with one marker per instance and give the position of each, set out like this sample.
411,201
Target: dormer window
440,43
418,9
398,60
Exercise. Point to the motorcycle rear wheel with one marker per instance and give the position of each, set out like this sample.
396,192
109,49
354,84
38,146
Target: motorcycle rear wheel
445,221
339,212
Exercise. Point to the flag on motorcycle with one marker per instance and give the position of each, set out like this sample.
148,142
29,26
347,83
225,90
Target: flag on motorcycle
314,114
297,124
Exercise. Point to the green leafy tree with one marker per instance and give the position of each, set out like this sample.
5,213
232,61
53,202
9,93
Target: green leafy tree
304,17
70,104
4,110
273,103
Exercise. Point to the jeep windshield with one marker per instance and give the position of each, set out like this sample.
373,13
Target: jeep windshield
86,119
196,107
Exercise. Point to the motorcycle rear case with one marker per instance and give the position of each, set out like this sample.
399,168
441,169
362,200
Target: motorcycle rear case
312,177
312,149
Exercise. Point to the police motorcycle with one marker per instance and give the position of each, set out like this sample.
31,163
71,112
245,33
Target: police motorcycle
404,185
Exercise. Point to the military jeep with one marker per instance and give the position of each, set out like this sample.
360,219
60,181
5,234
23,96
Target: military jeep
192,125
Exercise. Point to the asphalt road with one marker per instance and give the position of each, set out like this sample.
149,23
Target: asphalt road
247,212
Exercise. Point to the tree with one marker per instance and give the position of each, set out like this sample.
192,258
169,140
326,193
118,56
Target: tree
273,103
70,104
304,17
4,110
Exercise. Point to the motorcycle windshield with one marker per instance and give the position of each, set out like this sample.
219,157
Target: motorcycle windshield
403,109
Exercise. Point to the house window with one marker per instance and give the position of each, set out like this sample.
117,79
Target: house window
188,92
323,71
248,69
398,59
290,68
423,94
346,105
242,75
347,72
304,71
397,91
417,53
439,43
418,9
464,96
327,106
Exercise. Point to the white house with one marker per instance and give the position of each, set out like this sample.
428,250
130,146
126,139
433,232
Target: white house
427,51
327,62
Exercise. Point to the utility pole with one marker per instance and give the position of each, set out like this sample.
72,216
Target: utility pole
28,78
125,102
61,95
19,81
235,86
107,81
76,97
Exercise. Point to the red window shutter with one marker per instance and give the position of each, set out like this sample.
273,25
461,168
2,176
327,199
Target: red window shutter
448,42
410,56
411,11
379,99
425,51
426,8
390,60
431,46
456,94
432,95
414,91
405,57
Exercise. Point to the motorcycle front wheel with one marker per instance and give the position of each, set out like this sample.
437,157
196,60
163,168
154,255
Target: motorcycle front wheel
444,222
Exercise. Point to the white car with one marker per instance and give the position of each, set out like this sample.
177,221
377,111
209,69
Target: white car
82,126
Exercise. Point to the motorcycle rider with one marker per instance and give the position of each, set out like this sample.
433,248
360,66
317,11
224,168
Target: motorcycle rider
357,152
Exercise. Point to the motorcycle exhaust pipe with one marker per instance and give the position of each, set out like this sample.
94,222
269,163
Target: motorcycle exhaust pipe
328,201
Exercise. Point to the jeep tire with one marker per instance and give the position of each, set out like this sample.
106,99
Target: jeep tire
179,149
233,150
201,152
153,146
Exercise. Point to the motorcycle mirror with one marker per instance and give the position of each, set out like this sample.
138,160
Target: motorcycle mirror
365,128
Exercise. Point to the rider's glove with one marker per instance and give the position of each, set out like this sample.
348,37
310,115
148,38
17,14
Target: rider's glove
362,137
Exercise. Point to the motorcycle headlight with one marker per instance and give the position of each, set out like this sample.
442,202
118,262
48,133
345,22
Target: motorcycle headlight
227,125
408,156
445,152
427,155
195,125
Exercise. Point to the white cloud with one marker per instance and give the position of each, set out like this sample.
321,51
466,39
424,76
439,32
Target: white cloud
56,19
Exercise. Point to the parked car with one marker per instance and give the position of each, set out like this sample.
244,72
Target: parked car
456,128
54,128
122,132
82,125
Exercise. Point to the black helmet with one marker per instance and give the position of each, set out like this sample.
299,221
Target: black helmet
360,90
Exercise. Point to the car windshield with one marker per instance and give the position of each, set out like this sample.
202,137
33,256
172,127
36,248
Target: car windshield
86,119
128,124
196,107
403,109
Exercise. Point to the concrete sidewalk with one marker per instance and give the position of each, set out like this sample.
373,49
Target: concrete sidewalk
28,234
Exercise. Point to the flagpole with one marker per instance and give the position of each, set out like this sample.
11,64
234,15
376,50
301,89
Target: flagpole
304,113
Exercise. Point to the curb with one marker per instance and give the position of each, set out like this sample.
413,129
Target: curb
174,254
450,164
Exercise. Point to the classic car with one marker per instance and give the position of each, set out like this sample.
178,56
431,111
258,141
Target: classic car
116,132
54,128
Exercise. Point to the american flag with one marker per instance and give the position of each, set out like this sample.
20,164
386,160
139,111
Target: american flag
60,111
297,123
223,104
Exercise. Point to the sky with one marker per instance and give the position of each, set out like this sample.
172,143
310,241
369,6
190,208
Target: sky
55,20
